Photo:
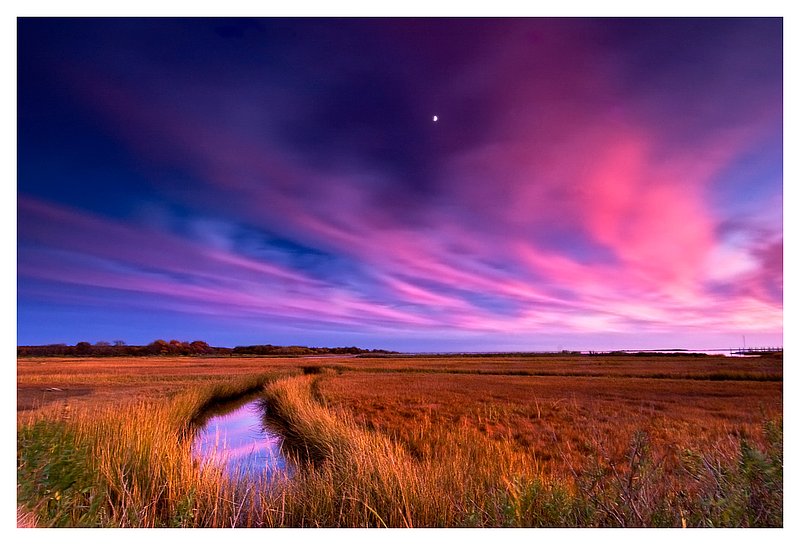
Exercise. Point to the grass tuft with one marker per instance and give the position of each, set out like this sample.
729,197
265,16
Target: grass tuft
129,464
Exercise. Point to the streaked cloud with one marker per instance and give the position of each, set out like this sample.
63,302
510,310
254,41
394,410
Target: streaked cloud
570,187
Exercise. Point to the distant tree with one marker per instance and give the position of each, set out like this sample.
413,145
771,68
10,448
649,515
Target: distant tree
158,347
102,348
179,348
200,347
174,347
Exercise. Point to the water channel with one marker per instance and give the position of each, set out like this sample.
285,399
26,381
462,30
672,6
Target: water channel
237,437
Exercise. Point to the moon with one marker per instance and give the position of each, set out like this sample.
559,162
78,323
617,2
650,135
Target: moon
435,118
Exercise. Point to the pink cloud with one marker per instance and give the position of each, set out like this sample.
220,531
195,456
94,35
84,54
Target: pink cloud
157,264
596,172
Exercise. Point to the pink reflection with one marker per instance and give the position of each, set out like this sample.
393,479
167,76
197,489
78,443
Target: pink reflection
240,441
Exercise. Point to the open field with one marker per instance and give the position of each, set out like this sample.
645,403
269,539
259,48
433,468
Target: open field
558,417
91,381
423,441
105,379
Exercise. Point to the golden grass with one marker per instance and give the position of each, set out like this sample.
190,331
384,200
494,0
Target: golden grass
128,464
662,366
557,418
101,381
409,442
354,477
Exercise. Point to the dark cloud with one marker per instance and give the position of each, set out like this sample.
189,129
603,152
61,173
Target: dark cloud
585,177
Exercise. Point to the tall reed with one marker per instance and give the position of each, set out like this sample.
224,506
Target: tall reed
355,477
131,465
127,465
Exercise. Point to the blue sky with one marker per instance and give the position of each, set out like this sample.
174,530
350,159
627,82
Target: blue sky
589,183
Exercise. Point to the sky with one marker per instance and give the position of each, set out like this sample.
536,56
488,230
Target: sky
587,184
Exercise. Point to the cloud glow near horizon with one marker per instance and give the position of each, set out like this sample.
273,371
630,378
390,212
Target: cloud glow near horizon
587,184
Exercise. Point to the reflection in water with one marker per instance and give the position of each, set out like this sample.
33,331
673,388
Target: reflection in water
240,441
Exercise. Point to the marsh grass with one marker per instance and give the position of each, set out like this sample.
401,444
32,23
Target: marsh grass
126,465
745,490
356,477
458,477
130,465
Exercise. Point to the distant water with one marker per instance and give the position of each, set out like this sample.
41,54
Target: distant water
707,351
240,440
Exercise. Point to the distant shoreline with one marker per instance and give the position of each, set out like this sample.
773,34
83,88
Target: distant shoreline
200,348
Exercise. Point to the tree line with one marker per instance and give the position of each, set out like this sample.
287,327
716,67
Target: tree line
161,347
